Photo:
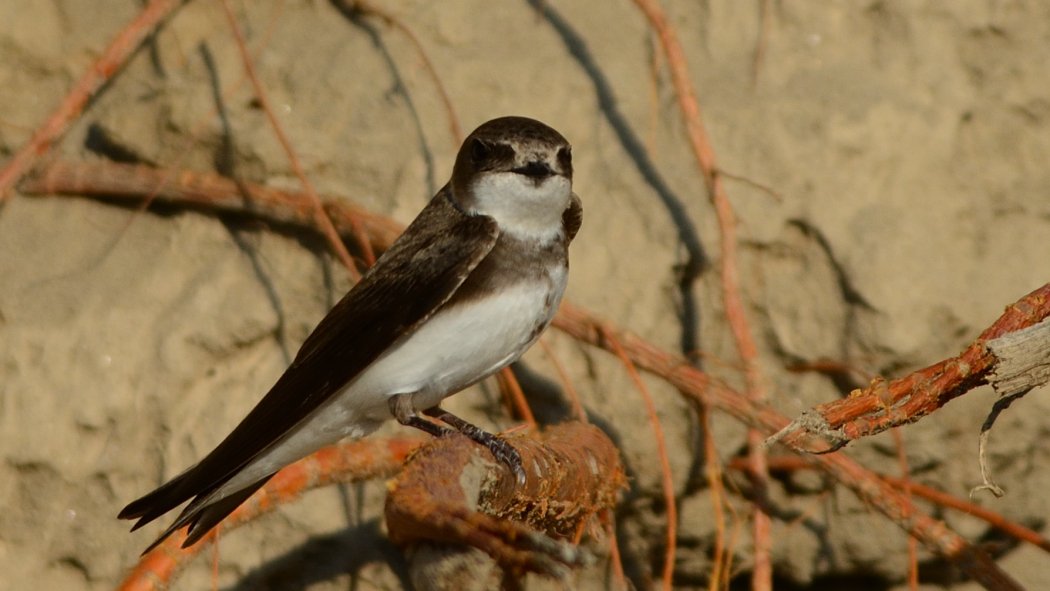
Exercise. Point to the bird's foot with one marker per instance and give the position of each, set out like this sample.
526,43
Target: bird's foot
401,408
500,448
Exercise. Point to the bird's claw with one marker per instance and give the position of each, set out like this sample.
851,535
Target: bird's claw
505,453
500,448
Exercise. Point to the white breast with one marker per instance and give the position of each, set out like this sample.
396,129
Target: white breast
457,347
521,207
462,345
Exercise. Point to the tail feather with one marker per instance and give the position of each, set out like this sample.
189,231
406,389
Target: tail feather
201,515
210,515
166,497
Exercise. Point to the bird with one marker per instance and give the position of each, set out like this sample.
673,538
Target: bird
466,289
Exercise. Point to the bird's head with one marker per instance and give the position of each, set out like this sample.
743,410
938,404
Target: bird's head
517,171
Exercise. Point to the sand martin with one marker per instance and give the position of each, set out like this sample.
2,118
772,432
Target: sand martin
467,289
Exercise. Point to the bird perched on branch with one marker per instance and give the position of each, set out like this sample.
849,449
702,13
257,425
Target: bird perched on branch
465,291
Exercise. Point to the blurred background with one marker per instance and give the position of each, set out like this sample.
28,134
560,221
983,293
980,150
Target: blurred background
887,162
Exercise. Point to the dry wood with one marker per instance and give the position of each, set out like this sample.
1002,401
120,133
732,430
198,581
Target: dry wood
1022,360
453,492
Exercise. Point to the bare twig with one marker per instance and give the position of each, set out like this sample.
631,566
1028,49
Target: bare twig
358,460
104,68
908,399
368,8
511,389
913,544
322,218
996,520
608,519
720,558
762,574
696,385
873,491
135,183
574,397
665,462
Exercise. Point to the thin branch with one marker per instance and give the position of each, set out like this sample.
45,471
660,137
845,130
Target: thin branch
608,519
136,183
349,462
996,520
322,218
913,544
720,558
511,389
105,67
872,490
762,575
570,391
698,386
665,461
906,400
368,8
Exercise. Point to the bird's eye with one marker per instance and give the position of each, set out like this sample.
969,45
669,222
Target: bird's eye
479,150
565,160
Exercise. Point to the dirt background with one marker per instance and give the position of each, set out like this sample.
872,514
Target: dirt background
907,143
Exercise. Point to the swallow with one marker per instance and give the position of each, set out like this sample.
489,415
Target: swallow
465,291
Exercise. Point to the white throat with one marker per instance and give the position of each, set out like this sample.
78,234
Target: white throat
522,208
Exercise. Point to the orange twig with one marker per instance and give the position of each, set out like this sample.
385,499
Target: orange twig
322,218
762,575
868,487
608,520
665,462
712,464
913,544
570,391
905,400
112,59
113,181
876,493
349,462
367,8
996,520
215,559
511,388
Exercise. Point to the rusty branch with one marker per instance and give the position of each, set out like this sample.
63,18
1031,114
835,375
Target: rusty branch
326,225
698,386
105,67
208,192
349,462
762,571
876,493
453,492
906,400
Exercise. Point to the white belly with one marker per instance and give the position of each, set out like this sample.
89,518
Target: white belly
454,349
459,347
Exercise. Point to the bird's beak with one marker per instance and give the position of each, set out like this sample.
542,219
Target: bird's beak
537,169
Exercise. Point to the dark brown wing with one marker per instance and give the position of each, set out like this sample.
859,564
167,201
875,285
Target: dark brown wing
572,217
414,278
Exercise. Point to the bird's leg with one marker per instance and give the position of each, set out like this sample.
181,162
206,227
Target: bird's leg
401,408
500,449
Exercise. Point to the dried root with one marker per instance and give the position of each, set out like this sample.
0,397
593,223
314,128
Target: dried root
453,494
